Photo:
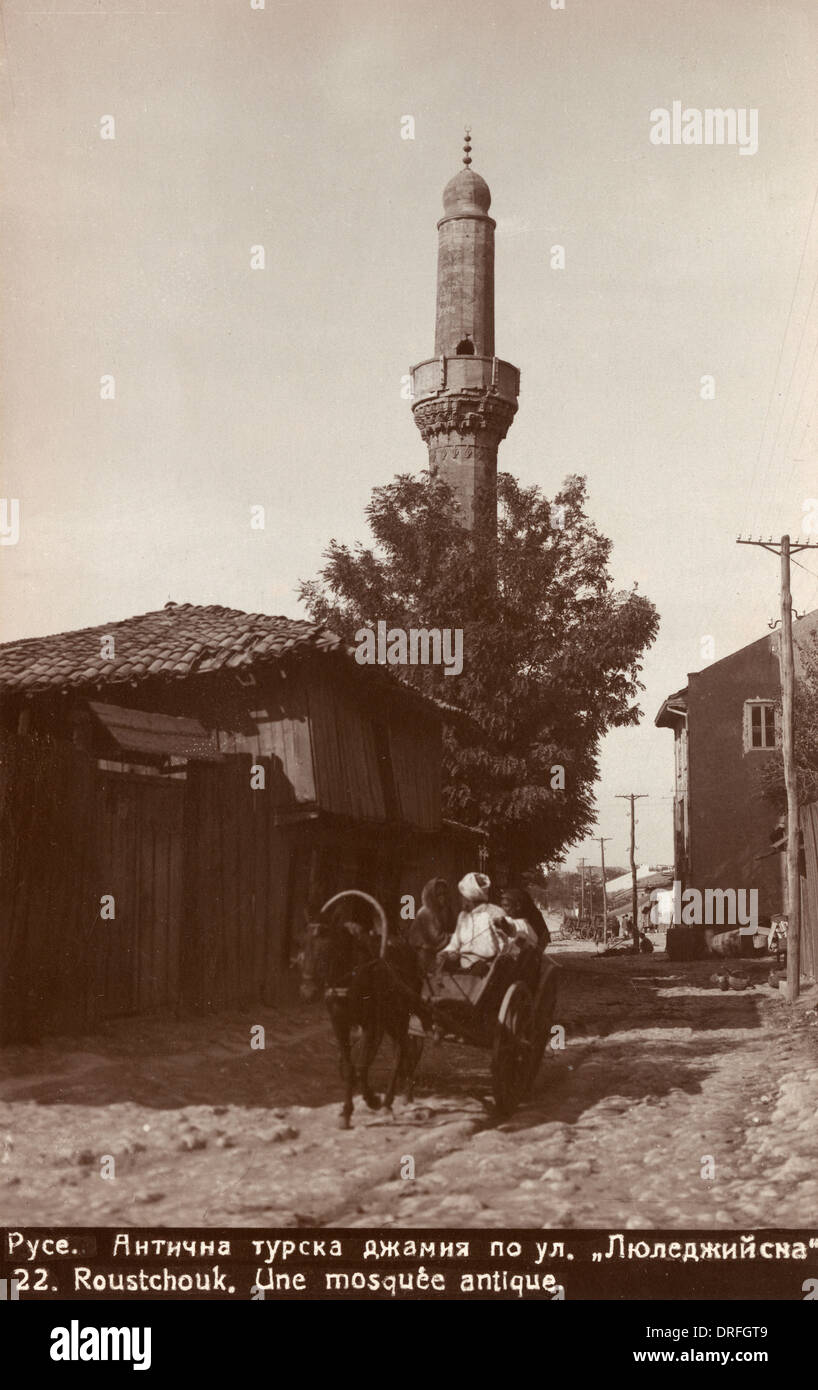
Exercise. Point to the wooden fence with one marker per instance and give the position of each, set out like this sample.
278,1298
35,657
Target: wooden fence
236,888
49,917
206,878
196,871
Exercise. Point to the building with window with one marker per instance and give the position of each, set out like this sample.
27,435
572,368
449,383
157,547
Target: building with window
726,724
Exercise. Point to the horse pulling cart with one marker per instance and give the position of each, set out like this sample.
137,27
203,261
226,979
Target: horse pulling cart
507,1009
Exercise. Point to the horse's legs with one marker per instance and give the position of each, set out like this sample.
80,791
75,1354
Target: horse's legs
370,1042
400,1038
340,1027
414,1049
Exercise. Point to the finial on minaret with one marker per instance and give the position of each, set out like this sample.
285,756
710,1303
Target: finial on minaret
467,147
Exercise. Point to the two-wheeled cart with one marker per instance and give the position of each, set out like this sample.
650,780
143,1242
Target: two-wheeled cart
507,1011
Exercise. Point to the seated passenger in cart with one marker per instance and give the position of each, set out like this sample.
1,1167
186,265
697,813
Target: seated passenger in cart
526,918
434,924
482,932
486,956
530,935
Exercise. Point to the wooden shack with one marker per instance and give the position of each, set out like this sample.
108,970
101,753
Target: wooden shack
179,792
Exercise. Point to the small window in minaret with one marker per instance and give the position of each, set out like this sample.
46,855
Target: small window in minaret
465,348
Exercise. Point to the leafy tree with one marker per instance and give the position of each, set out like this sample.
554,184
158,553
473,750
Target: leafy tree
564,884
805,719
552,653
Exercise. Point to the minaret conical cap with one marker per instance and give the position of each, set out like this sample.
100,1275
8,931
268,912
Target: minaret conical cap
466,193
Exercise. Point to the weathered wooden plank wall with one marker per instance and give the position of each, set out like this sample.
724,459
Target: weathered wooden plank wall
277,730
237,865
415,750
344,752
208,884
139,863
199,874
49,919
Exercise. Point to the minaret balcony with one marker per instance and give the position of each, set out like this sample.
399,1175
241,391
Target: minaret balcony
466,373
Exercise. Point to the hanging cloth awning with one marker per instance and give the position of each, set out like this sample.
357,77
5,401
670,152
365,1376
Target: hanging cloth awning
157,735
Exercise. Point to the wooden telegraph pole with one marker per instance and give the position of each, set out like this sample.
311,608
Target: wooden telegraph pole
785,548
790,780
602,839
633,797
581,892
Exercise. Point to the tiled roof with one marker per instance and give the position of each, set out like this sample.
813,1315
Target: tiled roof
181,639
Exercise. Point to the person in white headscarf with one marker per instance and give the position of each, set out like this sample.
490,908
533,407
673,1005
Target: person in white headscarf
481,932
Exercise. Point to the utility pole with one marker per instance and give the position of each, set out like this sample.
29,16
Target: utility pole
602,839
785,548
582,892
790,780
633,797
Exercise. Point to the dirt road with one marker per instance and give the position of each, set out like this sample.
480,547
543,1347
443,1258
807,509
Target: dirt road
672,1104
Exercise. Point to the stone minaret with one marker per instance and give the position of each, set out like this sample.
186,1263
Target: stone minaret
464,398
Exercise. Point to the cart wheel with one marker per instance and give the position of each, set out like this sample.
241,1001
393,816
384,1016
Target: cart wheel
511,1049
545,1002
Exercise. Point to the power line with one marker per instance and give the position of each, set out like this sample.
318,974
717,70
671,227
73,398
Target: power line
798,412
790,384
757,463
814,573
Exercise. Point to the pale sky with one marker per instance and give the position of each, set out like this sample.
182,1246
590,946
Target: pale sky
281,127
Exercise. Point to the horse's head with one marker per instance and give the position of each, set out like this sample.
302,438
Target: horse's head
348,934
331,953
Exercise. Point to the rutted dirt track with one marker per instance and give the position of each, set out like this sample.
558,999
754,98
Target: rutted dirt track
660,1071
